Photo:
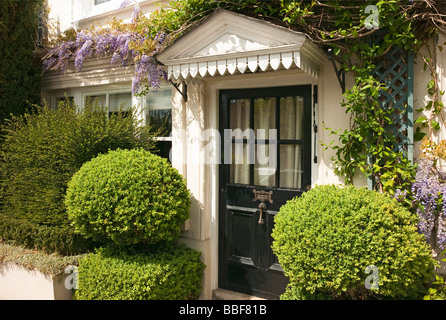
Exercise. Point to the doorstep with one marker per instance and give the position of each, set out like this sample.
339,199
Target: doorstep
222,294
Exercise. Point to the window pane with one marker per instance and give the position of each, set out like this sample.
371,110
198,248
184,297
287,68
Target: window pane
239,168
164,148
119,101
265,166
96,2
264,117
159,111
99,99
291,116
239,113
291,166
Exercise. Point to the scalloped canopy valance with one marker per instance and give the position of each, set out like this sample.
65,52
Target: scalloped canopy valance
230,43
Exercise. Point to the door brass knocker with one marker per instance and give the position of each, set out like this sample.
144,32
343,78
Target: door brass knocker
262,206
262,196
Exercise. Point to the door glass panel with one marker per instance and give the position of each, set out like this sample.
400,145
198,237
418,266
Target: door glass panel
239,114
264,117
239,122
291,166
239,168
291,116
264,168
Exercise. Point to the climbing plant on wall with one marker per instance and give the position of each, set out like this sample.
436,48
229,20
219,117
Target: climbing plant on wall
360,34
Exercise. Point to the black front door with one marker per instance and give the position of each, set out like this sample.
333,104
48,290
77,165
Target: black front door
266,160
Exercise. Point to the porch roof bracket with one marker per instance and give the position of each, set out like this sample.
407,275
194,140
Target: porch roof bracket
340,73
183,90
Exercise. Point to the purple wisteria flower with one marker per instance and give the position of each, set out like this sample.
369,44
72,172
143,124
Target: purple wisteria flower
113,43
146,69
136,11
125,3
83,53
400,195
59,57
430,195
86,45
103,42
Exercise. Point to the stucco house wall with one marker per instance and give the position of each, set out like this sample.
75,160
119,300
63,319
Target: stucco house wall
20,283
422,78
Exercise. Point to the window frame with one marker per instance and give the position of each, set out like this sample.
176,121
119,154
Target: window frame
139,102
107,94
163,139
303,90
145,106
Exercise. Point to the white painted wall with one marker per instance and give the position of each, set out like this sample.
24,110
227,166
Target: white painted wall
421,79
19,283
83,13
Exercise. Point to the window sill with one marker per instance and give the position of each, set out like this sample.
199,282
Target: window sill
110,9
163,139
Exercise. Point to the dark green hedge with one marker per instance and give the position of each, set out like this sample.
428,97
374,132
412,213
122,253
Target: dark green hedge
49,239
19,69
165,274
42,150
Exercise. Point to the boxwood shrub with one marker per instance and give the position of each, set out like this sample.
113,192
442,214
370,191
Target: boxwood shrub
127,197
116,274
326,239
21,232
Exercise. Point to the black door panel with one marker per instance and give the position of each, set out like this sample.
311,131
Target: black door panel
252,190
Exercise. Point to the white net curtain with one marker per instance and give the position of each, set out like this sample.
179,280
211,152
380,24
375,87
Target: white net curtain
269,147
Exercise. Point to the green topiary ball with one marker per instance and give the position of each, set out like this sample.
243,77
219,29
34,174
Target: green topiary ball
128,197
326,239
173,273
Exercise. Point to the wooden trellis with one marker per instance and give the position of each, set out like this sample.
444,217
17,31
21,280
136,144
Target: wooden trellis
395,69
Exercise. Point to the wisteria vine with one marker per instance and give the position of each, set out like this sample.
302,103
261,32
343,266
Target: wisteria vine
122,47
429,192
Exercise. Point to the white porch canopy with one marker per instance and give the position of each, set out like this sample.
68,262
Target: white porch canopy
230,43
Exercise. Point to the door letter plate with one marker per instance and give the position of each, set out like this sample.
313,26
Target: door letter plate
263,196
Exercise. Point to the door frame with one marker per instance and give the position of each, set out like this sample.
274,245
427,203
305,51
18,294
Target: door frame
221,202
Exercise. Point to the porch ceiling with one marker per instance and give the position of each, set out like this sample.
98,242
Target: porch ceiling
229,43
